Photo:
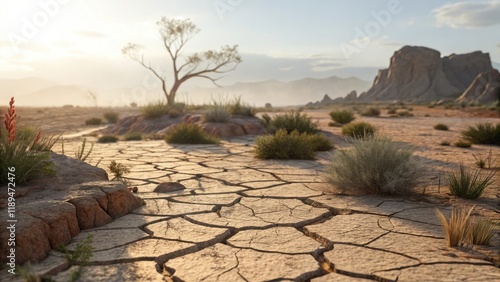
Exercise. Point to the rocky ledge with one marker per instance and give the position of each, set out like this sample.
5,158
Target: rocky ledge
52,210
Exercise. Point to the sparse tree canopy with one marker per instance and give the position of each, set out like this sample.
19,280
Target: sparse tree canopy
175,34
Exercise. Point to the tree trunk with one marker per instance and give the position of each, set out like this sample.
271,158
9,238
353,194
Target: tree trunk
171,99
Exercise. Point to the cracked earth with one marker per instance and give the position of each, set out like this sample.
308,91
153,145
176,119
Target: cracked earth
244,219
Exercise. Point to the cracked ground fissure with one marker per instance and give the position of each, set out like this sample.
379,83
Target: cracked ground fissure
269,225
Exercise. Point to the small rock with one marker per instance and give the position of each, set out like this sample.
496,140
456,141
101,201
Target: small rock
167,187
135,189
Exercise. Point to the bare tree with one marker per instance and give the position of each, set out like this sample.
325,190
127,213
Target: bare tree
175,34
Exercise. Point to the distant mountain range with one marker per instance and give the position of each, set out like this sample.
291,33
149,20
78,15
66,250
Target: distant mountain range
39,92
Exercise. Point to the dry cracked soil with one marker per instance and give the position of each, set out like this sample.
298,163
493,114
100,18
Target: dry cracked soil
244,219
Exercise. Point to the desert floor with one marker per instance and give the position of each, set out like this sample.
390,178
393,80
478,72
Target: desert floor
243,219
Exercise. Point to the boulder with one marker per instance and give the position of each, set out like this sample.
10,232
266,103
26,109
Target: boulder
419,74
484,89
139,123
168,187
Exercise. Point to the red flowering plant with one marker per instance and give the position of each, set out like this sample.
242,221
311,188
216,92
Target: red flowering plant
23,150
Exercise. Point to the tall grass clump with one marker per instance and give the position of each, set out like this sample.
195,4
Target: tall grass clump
133,136
24,152
291,121
483,133
94,121
342,117
155,110
371,112
358,130
457,229
375,164
237,107
217,113
184,133
284,146
482,231
441,126
468,184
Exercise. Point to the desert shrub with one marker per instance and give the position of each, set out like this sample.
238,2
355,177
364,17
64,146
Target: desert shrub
118,170
445,143
107,139
217,113
485,162
94,121
456,230
462,144
155,110
375,164
111,117
468,184
133,136
441,126
237,107
483,133
358,130
391,111
371,112
342,117
319,142
22,157
284,146
184,133
292,121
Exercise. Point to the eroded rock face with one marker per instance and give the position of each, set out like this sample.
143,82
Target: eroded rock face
52,210
419,74
484,89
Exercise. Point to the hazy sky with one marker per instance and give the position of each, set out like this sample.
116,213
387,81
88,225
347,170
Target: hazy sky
76,41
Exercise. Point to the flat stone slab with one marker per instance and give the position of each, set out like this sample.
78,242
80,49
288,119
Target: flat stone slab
224,263
133,271
445,272
365,261
366,203
279,239
182,230
204,199
108,238
255,212
355,228
335,277
163,207
294,190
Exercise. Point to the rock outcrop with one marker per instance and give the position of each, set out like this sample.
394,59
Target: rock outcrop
236,126
484,89
419,74
50,211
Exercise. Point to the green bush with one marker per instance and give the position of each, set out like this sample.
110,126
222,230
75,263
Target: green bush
217,113
111,117
371,112
375,164
94,121
291,121
155,110
24,152
133,136
391,111
483,133
107,139
285,146
467,184
342,117
237,107
319,142
462,144
441,126
184,133
358,130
